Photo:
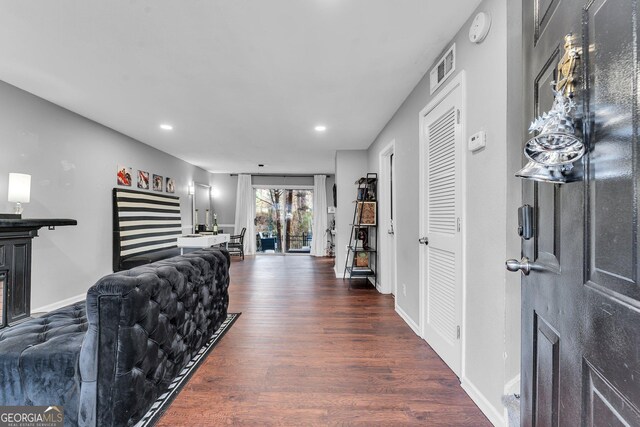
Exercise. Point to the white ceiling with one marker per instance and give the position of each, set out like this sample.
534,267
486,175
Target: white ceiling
242,81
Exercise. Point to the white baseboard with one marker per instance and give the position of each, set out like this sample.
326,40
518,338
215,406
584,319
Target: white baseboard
375,284
383,289
513,385
338,274
408,320
56,305
494,416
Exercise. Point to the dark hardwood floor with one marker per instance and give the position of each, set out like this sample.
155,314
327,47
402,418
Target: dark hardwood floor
307,351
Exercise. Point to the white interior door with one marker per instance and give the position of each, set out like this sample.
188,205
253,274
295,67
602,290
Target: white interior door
391,231
441,237
387,223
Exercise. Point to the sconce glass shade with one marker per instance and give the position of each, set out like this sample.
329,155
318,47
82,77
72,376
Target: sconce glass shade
19,188
192,189
215,192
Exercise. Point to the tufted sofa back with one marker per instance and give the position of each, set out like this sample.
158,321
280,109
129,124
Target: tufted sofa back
144,325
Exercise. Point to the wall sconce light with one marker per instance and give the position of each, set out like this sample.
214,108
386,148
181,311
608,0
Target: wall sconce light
192,189
215,192
19,190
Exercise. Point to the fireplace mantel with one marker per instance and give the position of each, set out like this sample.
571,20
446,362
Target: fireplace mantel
23,224
16,235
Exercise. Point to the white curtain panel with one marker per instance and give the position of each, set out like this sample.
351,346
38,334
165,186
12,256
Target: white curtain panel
246,213
319,239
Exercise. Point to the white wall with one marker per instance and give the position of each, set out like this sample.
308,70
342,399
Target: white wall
515,124
489,179
224,203
73,162
350,166
281,180
331,179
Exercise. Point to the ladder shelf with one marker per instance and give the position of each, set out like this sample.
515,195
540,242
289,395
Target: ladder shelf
362,253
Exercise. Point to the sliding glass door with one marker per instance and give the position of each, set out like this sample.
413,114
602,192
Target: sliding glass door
284,219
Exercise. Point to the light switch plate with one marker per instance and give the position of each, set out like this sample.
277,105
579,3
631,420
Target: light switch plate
477,141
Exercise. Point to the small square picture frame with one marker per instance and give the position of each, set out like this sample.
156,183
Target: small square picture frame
143,180
366,213
158,181
170,186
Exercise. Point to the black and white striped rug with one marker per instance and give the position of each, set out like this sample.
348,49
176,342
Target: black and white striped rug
161,405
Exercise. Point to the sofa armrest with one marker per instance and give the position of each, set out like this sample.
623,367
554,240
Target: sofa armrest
144,325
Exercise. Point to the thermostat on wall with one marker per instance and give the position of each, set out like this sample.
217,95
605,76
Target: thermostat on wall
477,141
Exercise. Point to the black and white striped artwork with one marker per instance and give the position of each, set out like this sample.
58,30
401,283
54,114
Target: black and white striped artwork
146,222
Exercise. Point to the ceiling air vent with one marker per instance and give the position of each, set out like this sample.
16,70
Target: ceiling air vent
443,69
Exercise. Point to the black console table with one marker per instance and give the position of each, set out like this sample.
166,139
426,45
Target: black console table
15,265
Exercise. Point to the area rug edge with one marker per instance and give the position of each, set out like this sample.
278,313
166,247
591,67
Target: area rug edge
163,402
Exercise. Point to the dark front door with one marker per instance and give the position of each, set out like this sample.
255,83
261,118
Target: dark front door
581,315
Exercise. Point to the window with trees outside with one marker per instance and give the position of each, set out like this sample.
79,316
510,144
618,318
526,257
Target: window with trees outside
283,220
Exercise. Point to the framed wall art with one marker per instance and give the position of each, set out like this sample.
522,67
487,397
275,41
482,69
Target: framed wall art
171,185
143,180
124,176
366,213
157,182
362,259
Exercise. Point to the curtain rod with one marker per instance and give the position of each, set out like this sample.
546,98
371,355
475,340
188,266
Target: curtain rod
281,175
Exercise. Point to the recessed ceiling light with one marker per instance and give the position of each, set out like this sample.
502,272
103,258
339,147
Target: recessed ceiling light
165,126
320,128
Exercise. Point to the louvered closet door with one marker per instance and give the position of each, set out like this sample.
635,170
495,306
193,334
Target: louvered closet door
442,266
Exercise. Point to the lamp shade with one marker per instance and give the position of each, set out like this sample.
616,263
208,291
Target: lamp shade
19,188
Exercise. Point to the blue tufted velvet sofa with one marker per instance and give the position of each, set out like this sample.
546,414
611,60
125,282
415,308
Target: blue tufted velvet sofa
107,360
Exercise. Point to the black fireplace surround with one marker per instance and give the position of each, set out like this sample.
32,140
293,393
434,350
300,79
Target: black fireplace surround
107,360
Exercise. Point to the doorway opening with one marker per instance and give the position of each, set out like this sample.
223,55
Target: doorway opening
388,277
284,220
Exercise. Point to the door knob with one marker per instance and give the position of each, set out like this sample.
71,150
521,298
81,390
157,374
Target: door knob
423,241
523,265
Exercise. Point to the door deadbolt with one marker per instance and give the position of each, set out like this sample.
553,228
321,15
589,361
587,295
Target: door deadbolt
525,222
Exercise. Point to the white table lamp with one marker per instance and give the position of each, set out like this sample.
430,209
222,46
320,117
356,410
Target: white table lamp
19,190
